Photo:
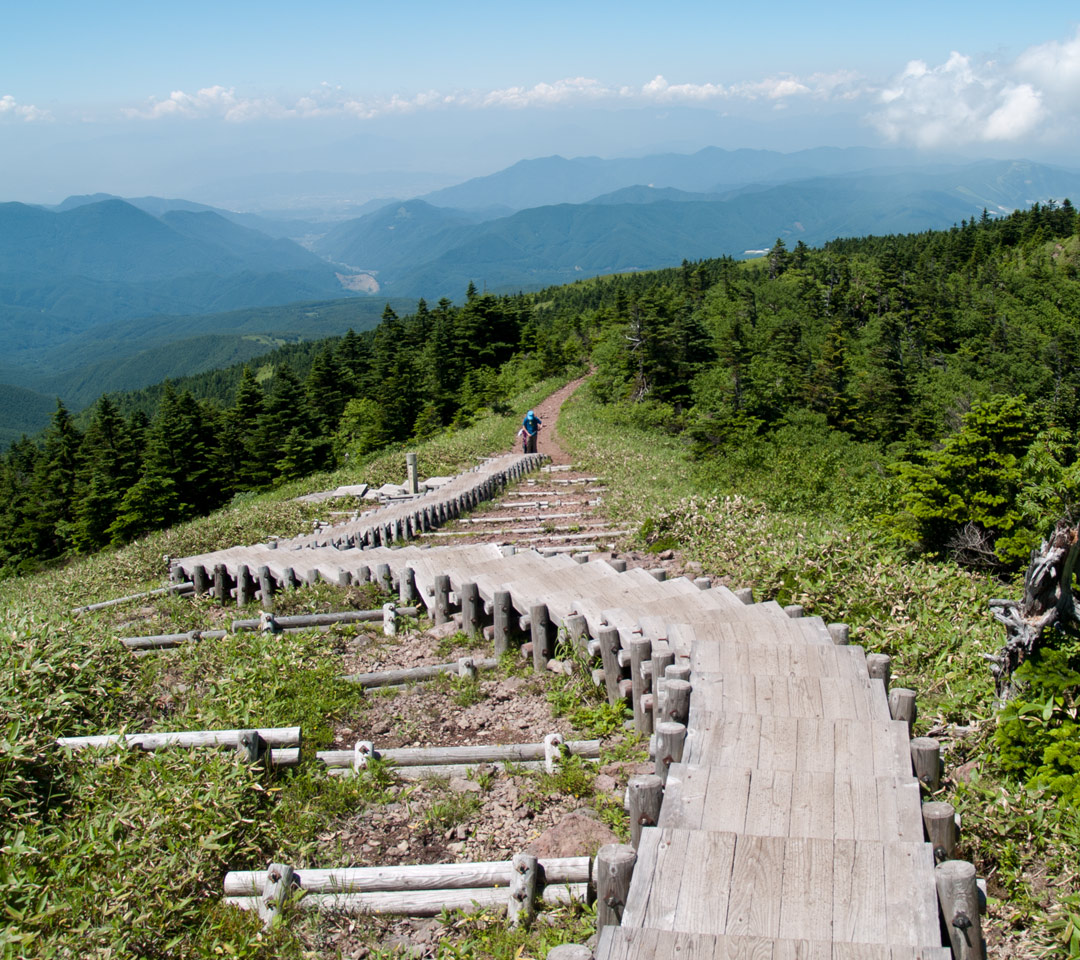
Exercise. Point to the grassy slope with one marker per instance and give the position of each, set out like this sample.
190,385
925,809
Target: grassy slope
125,857
748,522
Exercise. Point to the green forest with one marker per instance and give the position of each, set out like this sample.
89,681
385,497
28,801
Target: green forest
953,354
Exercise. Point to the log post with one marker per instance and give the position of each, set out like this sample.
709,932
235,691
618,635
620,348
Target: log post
577,629
471,609
362,753
939,819
389,619
745,594
640,651
677,671
407,588
614,870
410,471
466,668
540,624
267,587
442,599
221,583
617,564
383,578
581,558
608,637
552,751
879,666
670,738
926,762
840,633
902,705
958,895
676,705
794,610
280,879
502,613
646,796
525,876
662,658
252,747
703,583
267,623
200,579
659,574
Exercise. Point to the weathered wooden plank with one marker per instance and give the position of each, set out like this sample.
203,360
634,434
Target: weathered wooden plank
768,809
816,745
806,910
671,862
706,883
858,892
812,805
756,885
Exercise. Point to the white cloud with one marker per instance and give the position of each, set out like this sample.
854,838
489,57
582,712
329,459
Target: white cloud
27,112
961,101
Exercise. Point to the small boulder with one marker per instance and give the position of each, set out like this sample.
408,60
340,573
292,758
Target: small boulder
576,835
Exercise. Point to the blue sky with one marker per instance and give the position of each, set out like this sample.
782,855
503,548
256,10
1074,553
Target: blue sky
139,97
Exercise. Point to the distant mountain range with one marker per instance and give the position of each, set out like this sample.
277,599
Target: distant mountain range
416,248
102,293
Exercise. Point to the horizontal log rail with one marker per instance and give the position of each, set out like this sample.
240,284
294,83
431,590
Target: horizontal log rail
490,753
387,678
433,876
419,903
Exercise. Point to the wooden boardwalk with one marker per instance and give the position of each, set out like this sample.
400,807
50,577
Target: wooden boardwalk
791,825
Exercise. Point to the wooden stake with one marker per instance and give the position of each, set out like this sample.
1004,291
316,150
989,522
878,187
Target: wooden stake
745,594
442,599
703,583
407,594
618,565
609,656
676,705
279,883
879,666
540,624
662,658
794,610
670,738
958,895
902,705
267,587
614,870
577,629
471,621
389,619
553,743
383,577
646,796
521,904
502,613
926,761
840,633
640,651
200,580
939,819
221,584
252,747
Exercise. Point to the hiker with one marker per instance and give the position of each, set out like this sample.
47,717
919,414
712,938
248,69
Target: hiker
530,427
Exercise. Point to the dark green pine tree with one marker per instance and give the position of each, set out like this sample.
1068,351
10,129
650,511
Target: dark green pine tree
50,519
110,467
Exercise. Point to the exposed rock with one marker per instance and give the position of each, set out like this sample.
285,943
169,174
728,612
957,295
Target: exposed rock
461,785
966,771
576,835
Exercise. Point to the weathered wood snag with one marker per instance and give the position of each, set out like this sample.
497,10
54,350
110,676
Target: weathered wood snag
1048,604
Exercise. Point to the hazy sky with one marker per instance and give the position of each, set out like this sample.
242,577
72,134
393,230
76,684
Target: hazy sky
220,101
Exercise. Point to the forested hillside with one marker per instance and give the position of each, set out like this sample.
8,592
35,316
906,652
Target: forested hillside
927,348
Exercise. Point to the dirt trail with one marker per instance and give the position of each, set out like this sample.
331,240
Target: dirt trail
548,411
